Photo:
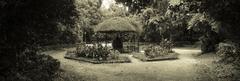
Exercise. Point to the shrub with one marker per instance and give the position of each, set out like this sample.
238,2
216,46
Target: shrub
167,45
36,67
114,54
163,49
230,52
96,52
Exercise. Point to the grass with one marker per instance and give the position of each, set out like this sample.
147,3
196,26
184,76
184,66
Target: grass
120,59
143,57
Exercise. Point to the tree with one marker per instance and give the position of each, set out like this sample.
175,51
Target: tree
220,17
24,26
136,6
89,15
223,14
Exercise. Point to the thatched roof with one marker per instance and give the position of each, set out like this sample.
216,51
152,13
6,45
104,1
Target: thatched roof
137,24
117,24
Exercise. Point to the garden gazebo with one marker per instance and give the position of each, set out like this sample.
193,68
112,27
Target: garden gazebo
119,26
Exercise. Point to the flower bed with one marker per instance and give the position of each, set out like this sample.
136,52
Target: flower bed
158,52
143,57
96,54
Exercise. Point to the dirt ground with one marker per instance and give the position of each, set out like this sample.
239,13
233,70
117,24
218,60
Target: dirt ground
186,68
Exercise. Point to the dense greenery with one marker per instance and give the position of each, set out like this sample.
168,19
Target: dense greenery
188,20
229,51
161,20
222,16
26,25
35,67
219,20
89,16
222,11
136,6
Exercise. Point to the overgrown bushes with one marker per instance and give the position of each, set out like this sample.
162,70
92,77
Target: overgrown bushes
32,66
230,52
28,24
230,55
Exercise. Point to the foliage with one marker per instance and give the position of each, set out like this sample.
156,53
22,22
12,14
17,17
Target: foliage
31,63
223,14
152,31
150,14
201,22
209,41
163,49
28,24
229,52
136,6
151,25
88,15
115,10
40,21
96,52
173,25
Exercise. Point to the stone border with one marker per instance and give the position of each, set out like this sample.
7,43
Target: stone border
172,56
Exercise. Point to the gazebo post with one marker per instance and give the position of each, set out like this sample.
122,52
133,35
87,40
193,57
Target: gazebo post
105,39
138,44
121,39
97,41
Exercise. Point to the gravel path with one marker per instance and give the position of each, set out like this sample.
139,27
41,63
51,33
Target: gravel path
182,69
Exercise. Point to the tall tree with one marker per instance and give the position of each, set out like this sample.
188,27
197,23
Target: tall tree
89,15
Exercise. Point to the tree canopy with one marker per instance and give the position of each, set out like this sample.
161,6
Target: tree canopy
223,13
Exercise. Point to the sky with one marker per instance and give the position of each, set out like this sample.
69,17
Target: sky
107,3
174,2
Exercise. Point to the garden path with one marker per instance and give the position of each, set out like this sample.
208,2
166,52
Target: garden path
182,69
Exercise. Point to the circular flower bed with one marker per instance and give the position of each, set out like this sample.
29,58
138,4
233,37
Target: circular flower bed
163,51
96,54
